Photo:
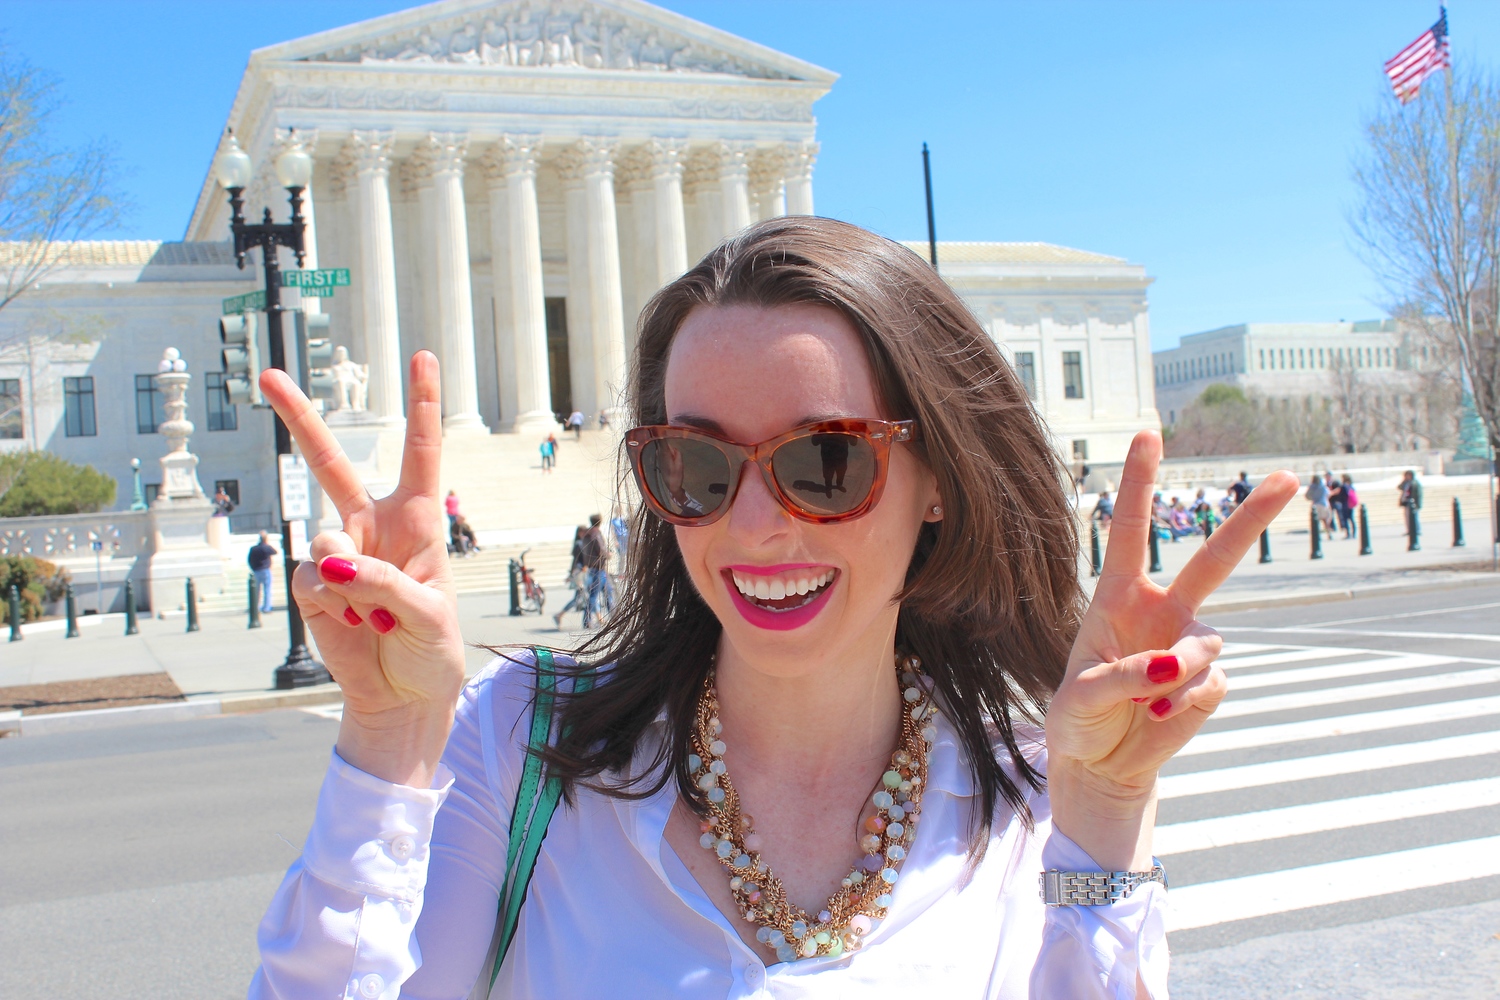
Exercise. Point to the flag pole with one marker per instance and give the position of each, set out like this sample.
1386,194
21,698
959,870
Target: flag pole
931,227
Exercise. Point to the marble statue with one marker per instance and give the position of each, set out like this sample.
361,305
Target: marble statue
557,28
351,381
526,47
494,47
463,47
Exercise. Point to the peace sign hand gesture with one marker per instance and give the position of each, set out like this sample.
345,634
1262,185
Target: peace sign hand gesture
378,595
1141,679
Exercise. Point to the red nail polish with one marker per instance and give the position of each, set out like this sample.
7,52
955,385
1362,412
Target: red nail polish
352,617
1160,707
1163,669
1138,700
336,569
382,620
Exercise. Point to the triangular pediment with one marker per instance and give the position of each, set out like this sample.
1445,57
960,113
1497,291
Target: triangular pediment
610,35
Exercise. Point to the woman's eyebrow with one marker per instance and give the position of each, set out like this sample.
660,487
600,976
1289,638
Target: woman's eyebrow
694,420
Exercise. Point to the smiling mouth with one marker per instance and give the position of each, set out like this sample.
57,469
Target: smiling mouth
780,593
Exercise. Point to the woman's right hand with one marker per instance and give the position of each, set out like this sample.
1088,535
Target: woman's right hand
378,595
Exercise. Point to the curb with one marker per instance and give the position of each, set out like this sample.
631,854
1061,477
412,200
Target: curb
14,723
1343,594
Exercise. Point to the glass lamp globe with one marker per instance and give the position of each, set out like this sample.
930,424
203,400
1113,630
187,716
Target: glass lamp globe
233,166
294,167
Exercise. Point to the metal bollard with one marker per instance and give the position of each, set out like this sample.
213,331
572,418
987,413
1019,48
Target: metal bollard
72,615
1365,548
1155,550
515,589
15,614
192,607
254,603
1317,535
1413,531
1096,564
1458,526
130,626
1265,546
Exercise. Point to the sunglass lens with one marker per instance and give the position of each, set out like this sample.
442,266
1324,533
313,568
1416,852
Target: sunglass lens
688,478
826,473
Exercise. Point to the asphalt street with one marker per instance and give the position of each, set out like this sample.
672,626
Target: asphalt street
1332,833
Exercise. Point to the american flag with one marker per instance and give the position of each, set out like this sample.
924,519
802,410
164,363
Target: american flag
1419,60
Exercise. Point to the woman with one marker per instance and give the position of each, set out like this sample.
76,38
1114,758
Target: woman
577,579
760,740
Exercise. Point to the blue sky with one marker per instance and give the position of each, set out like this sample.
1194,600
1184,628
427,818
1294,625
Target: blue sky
1210,142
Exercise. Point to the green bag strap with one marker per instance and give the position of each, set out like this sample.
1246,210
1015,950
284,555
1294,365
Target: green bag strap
536,801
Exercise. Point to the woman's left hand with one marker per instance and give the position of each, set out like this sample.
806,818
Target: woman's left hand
1141,679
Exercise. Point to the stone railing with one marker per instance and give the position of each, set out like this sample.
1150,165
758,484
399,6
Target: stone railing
67,541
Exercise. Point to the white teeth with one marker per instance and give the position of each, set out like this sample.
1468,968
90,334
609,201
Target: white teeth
802,587
778,590
762,590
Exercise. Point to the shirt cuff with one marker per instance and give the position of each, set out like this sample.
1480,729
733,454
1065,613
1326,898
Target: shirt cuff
372,836
1128,937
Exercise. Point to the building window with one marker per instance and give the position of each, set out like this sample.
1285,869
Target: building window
1072,374
78,406
150,405
11,425
222,414
1171,416
1026,369
1080,450
151,492
231,488
1262,359
1231,362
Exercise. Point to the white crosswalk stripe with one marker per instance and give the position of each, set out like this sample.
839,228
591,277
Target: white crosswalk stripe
1283,793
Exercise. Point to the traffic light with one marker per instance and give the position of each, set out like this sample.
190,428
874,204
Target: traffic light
317,356
241,358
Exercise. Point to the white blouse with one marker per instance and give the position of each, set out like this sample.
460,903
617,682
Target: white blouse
396,892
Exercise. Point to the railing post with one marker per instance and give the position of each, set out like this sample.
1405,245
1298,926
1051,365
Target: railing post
1096,564
515,589
1458,526
1155,549
72,615
254,602
130,625
192,607
1265,546
1317,534
1365,548
15,614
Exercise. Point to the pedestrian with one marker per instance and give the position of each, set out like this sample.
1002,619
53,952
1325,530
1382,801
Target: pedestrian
1351,504
450,504
1240,488
461,536
549,452
1411,501
1338,499
604,420
575,421
595,556
789,671
1161,517
1317,495
259,558
1181,521
577,580
1104,510
223,505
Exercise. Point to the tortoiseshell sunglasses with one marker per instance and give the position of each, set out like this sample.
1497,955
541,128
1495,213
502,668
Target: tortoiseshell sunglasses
823,472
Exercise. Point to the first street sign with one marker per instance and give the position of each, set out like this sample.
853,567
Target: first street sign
327,277
249,302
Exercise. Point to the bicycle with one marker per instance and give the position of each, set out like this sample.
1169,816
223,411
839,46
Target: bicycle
533,597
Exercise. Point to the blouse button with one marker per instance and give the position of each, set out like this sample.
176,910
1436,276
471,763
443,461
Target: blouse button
371,986
401,849
752,974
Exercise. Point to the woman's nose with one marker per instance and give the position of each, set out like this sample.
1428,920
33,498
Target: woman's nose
756,513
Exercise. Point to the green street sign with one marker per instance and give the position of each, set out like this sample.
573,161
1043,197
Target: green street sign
326,277
316,292
249,302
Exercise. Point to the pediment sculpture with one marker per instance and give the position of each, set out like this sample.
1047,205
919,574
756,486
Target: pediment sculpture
559,34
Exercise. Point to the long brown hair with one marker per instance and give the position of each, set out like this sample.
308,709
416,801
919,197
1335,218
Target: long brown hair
991,602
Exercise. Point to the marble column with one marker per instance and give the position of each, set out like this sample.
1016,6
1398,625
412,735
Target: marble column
369,157
530,405
591,163
734,185
799,193
443,156
671,223
768,168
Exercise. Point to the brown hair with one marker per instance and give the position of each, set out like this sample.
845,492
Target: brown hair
991,602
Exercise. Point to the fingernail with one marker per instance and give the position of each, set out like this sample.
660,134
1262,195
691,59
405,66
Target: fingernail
1138,700
352,617
1163,669
1160,707
382,620
336,569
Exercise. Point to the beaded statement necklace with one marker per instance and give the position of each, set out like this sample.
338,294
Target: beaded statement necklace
886,836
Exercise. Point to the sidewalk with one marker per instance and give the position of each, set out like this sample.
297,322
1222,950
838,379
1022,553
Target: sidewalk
226,667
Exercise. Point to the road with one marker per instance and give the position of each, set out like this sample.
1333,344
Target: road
1332,833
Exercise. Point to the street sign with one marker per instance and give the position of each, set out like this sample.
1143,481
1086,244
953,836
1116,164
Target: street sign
296,488
249,302
316,292
325,277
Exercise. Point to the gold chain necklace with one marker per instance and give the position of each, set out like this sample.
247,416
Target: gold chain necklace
864,896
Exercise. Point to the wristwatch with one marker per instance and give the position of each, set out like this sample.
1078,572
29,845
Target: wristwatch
1096,888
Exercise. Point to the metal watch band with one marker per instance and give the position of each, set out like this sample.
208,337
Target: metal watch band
1095,888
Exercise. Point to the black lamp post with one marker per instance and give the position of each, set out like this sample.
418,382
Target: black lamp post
294,170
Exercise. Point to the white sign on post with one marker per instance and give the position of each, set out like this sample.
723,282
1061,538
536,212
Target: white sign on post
296,492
